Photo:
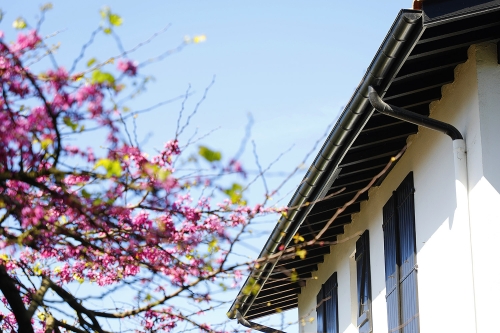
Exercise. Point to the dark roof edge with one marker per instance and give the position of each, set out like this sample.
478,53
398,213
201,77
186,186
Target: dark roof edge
395,48
459,14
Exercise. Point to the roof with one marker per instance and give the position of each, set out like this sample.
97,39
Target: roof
417,57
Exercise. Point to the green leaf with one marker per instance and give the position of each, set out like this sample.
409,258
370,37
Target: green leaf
85,194
113,167
235,193
102,77
252,287
110,201
301,254
46,7
104,12
46,143
212,246
157,171
115,20
37,269
69,123
163,174
107,31
19,23
209,155
1,15
294,276
78,278
91,62
153,168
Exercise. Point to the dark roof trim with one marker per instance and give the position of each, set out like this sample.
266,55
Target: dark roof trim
441,12
397,45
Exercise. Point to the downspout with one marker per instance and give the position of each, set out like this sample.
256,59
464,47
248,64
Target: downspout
459,159
412,117
255,326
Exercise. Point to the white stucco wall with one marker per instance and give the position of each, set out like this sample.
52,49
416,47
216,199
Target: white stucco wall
484,197
451,294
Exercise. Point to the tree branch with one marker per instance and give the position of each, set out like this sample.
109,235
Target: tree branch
38,297
9,290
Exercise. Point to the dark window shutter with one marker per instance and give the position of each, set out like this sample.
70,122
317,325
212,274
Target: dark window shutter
327,309
320,311
407,267
400,259
362,257
391,266
332,304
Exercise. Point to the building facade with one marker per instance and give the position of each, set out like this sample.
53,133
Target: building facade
454,253
400,222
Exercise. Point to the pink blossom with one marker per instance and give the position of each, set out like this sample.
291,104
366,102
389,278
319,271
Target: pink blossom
127,66
26,42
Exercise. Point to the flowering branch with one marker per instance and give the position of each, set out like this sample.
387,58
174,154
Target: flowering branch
114,219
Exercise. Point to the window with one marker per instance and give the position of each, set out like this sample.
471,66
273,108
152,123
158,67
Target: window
327,306
363,283
400,259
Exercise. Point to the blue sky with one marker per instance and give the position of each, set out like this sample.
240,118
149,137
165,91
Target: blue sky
291,64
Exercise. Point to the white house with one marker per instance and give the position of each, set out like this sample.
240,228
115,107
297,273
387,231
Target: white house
400,217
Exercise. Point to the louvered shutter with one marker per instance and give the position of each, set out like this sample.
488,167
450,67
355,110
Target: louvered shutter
332,304
363,279
407,267
320,311
400,259
391,265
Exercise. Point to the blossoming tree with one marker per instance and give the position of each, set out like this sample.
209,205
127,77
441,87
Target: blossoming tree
120,222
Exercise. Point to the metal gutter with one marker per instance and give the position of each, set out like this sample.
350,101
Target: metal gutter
398,43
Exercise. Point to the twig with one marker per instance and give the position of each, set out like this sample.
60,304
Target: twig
196,107
182,109
84,47
261,172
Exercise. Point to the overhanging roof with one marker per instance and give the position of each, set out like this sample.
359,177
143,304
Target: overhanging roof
416,59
